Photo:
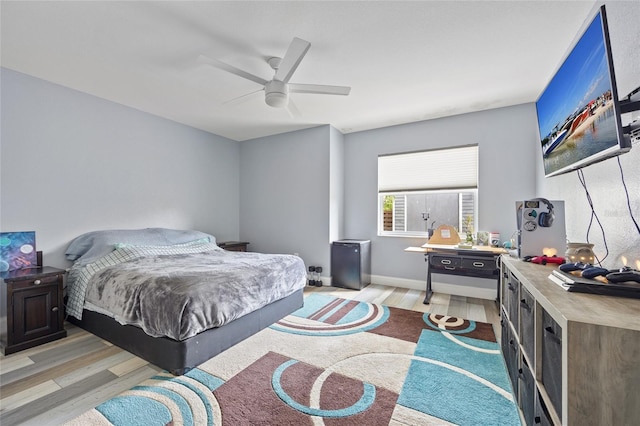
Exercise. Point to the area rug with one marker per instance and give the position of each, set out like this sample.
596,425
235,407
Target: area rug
334,362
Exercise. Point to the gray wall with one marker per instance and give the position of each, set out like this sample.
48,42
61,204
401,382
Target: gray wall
336,185
285,194
507,146
301,190
73,163
604,179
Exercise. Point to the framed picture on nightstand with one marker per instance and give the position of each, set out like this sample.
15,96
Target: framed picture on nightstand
17,250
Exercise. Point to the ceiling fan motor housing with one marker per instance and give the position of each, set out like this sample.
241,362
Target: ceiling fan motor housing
276,94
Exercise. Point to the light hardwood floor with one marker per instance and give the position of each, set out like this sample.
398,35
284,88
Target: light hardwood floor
55,382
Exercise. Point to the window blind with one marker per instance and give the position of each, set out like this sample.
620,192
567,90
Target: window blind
450,168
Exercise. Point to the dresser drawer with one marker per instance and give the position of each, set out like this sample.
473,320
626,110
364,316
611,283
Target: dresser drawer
527,323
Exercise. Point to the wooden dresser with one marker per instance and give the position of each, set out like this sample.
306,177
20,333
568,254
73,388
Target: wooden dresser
573,358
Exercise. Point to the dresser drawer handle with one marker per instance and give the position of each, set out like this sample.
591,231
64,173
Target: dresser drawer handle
37,282
54,309
450,268
445,261
478,264
548,332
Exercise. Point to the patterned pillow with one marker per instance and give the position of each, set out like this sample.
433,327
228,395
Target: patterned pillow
91,246
187,244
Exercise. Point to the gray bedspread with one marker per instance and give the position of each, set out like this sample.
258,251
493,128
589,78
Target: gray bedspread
182,294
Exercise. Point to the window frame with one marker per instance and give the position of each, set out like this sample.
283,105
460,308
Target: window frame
424,234
404,173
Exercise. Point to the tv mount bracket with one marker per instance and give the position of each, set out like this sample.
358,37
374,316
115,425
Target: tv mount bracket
630,104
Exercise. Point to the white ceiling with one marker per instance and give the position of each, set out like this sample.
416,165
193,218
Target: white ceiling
405,61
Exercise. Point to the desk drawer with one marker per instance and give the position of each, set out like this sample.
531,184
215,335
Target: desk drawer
483,265
444,262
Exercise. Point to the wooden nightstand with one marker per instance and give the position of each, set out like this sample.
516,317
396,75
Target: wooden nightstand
31,308
233,245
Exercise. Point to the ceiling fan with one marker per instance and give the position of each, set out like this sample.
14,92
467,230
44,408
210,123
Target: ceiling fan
276,90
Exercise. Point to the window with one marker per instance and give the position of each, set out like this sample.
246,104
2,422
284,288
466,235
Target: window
419,191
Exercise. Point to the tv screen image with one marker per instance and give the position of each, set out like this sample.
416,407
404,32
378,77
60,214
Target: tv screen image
578,112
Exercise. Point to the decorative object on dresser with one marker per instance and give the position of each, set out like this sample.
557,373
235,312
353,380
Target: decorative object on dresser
233,245
572,357
541,227
579,252
445,234
31,308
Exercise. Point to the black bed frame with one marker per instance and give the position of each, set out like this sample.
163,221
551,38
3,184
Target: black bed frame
178,357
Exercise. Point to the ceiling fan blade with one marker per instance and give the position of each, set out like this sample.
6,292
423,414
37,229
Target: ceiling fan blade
293,110
243,98
230,68
319,89
289,63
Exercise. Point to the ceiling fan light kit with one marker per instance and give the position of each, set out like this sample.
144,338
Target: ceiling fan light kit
276,90
276,94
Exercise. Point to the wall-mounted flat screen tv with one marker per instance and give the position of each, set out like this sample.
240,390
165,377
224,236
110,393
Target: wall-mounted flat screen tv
578,111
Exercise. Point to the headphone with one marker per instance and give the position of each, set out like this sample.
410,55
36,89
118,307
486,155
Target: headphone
545,219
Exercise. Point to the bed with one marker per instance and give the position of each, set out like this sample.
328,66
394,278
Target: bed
173,297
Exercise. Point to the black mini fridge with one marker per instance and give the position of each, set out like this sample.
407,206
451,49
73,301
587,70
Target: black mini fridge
351,264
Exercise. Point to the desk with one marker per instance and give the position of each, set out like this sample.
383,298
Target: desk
478,262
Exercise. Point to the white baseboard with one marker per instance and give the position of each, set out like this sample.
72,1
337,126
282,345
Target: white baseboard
438,287
399,282
326,281
388,281
464,290
459,290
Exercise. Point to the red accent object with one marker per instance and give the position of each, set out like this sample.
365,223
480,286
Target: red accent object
543,260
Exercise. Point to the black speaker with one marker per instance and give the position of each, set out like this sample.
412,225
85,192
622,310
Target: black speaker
545,219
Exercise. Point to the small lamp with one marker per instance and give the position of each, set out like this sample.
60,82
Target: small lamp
580,252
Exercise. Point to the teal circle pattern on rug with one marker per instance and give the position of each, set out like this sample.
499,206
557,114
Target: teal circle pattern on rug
460,379
139,407
196,391
455,397
135,411
179,400
437,326
367,399
354,317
